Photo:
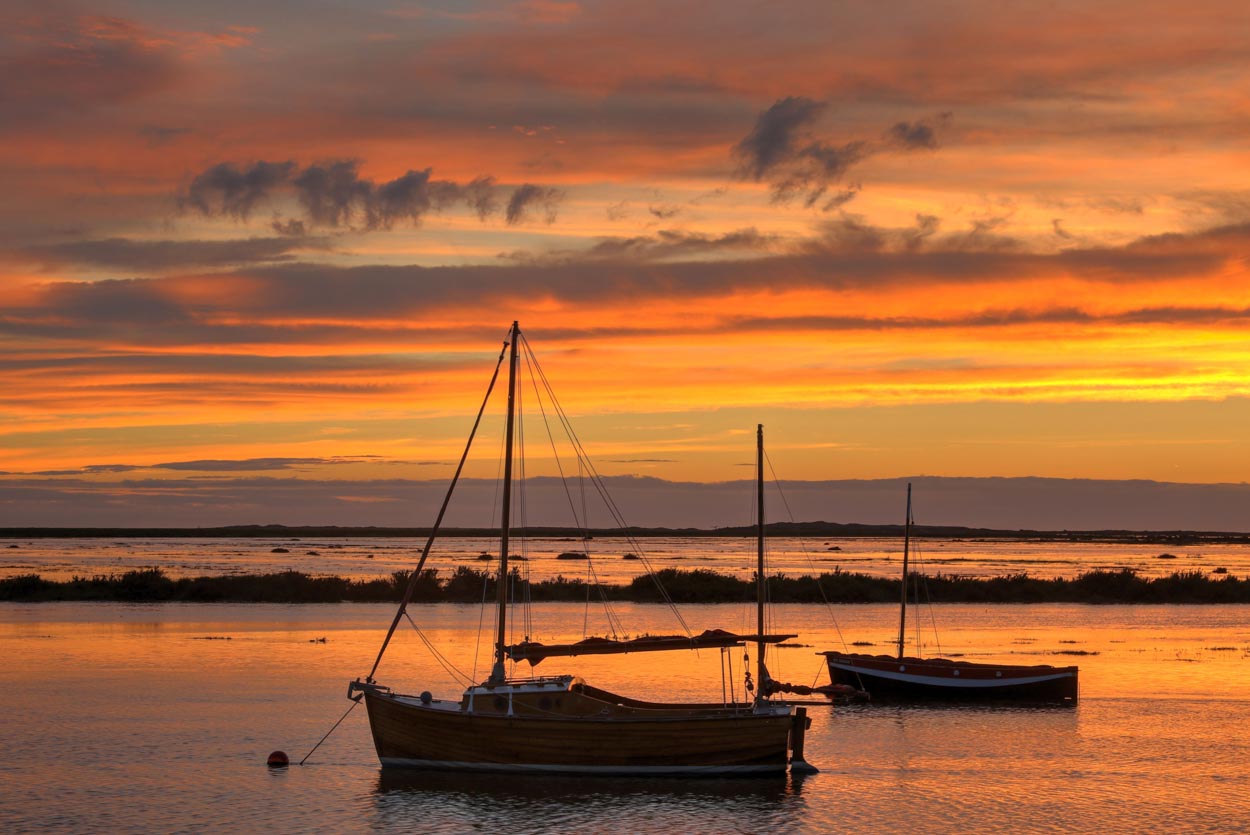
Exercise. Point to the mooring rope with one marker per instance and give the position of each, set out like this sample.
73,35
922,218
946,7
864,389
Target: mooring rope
438,656
355,702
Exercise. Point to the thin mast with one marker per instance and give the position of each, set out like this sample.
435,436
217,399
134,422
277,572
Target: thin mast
902,612
759,569
497,672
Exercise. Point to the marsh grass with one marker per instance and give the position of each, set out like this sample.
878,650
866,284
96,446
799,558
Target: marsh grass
468,585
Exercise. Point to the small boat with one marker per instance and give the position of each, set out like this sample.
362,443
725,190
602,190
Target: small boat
901,678
561,724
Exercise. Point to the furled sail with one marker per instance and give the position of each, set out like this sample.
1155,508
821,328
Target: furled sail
535,652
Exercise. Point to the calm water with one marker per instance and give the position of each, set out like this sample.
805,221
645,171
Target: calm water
125,718
377,557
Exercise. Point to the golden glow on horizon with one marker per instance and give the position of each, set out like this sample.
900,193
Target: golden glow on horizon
986,211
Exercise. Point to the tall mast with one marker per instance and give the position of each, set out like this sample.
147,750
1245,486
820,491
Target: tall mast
497,672
759,568
902,612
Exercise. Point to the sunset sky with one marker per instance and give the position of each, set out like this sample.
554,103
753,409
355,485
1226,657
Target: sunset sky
286,239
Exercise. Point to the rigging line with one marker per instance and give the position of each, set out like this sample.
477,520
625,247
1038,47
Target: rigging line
821,669
481,616
355,702
928,598
614,511
521,495
581,489
916,583
528,586
723,698
582,456
494,504
531,363
586,611
614,622
806,554
516,545
442,511
597,482
438,656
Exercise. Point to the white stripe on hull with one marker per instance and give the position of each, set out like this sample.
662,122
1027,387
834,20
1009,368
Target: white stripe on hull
949,681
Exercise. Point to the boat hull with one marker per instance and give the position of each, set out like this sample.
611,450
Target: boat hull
690,741
940,679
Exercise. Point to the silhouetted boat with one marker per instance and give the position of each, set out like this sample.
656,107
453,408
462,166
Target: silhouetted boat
904,678
560,723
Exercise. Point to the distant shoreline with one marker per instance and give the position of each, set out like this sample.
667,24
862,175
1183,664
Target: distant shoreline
829,530
468,585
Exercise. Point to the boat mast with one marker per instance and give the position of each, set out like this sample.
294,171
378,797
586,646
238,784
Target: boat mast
497,672
902,612
759,569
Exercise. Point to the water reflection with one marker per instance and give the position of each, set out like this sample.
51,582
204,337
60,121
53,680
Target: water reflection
531,802
123,719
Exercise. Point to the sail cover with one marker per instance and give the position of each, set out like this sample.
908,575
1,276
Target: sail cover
534,652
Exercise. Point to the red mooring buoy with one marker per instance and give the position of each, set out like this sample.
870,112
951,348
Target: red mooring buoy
279,759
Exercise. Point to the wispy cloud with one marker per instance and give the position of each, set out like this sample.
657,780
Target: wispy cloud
166,255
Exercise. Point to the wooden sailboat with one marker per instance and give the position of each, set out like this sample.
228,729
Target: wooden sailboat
903,678
561,724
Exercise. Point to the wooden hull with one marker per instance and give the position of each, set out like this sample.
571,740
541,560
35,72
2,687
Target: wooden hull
940,679
583,734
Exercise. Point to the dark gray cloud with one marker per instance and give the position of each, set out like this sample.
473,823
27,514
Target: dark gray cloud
775,139
334,195
912,135
784,150
480,195
225,189
153,256
529,198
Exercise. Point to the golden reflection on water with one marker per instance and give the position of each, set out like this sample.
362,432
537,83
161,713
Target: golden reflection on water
135,718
